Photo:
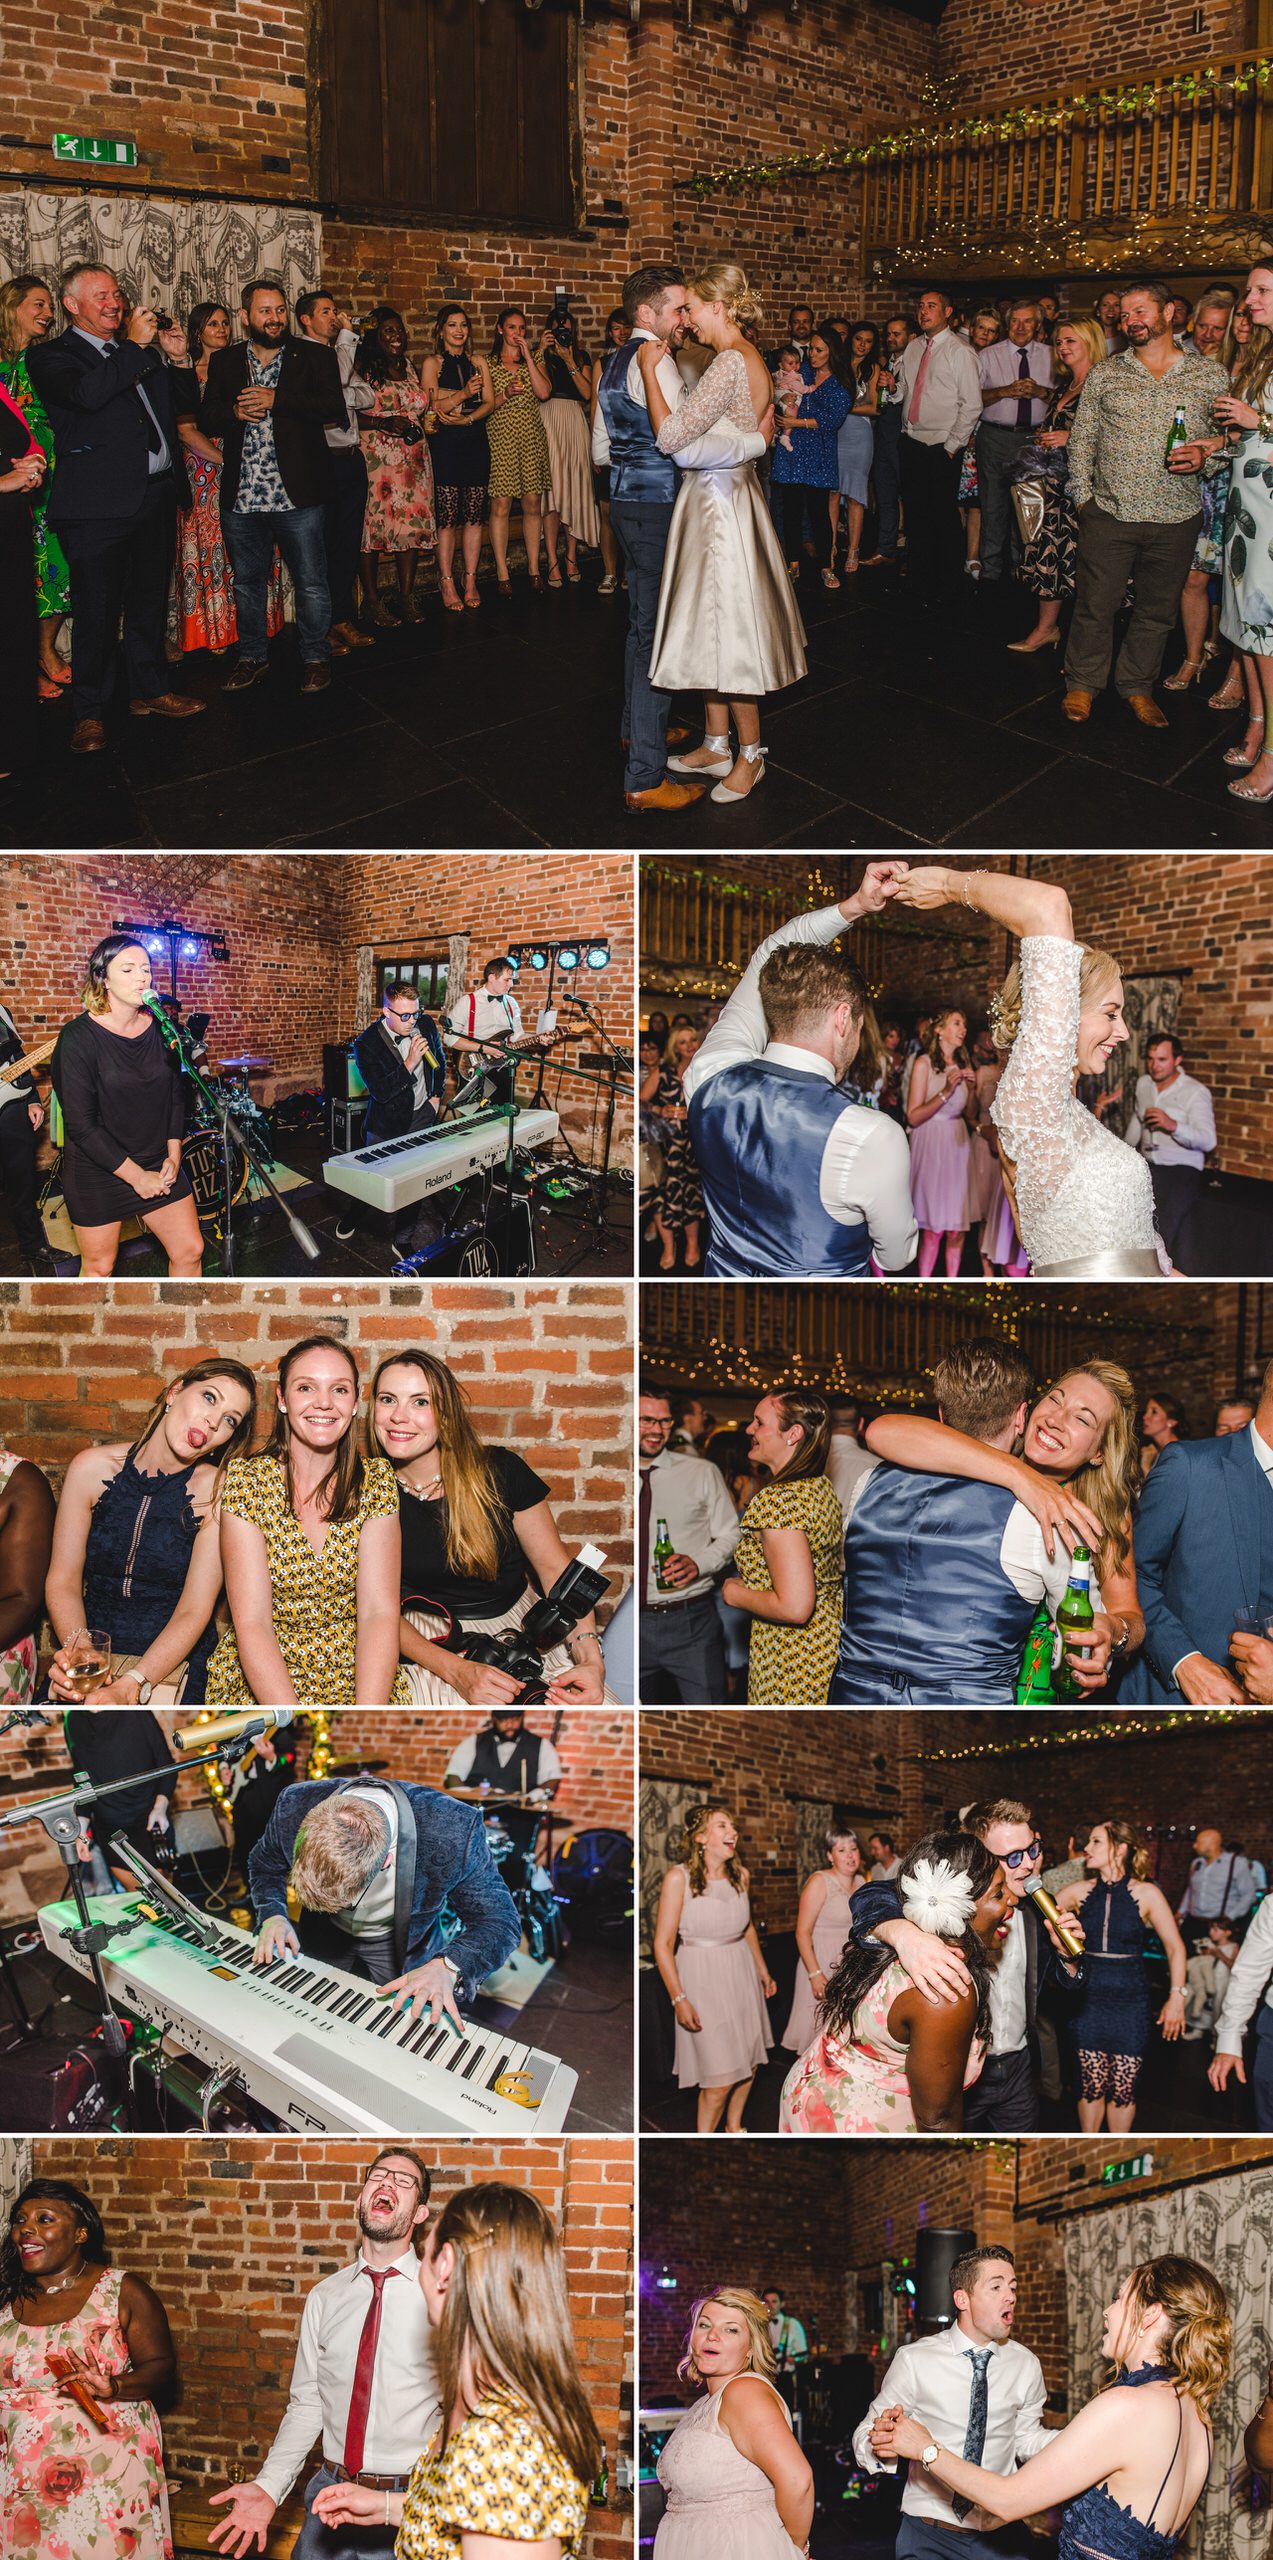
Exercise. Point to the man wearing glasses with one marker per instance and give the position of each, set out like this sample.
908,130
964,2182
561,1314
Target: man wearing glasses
403,1064
363,2378
1029,1962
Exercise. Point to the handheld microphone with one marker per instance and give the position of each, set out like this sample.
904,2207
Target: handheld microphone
253,1721
1050,1910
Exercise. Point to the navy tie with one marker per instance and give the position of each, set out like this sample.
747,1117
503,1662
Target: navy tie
1024,406
975,2439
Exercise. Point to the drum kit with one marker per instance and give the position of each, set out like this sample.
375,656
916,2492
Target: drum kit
529,1880
204,1146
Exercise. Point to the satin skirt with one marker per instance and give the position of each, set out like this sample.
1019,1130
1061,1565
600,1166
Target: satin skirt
728,624
1120,1262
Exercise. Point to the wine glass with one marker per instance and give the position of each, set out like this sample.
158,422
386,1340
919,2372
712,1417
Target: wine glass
88,1655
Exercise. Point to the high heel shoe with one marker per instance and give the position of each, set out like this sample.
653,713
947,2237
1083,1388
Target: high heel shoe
1030,648
1228,696
449,596
1187,673
1243,790
1240,757
750,755
472,600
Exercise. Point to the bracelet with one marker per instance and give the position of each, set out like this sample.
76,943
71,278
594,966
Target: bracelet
964,898
679,2000
386,2506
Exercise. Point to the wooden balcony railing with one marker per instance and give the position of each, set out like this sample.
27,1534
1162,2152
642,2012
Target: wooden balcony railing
1113,178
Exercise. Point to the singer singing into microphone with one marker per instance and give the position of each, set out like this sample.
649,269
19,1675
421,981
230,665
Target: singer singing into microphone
123,1113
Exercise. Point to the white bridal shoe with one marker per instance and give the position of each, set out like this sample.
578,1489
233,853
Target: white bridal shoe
722,760
750,755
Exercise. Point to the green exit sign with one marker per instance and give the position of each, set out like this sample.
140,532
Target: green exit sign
101,155
1116,2173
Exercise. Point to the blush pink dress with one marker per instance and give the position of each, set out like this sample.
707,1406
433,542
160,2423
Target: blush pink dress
720,2506
859,2087
719,1978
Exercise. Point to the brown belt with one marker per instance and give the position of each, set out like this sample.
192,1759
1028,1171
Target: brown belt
663,1608
374,2479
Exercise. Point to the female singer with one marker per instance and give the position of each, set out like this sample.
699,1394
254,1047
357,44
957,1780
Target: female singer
706,1938
822,1928
1111,2025
517,2449
71,2483
790,1555
740,2486
1127,2474
137,1544
476,1523
311,1549
124,1113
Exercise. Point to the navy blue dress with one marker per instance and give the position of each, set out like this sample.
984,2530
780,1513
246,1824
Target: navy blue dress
1112,2024
1095,2527
140,1541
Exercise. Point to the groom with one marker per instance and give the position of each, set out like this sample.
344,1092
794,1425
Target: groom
643,486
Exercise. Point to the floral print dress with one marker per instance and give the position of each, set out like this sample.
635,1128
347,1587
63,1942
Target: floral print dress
314,1597
860,2087
52,576
69,2489
499,2474
400,513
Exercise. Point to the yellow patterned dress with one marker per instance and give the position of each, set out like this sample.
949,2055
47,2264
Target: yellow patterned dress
792,1666
315,1597
500,2474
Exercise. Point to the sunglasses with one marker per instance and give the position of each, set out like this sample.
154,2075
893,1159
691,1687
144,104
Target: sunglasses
1016,1857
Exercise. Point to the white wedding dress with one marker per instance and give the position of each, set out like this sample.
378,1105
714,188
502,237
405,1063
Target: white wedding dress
1085,1201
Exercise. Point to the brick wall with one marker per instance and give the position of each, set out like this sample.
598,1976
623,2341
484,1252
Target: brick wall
547,1370
233,2235
1020,48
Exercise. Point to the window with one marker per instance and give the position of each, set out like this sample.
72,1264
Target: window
461,108
428,975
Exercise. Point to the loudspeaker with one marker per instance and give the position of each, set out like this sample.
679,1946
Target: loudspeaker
935,2253
592,1875
342,1079
346,1123
521,1263
52,2084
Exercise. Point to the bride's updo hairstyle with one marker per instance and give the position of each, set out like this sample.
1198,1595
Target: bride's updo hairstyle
725,282
1098,972
1199,2348
733,2297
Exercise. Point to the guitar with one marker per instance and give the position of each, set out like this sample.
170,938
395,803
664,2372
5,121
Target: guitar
34,1058
529,1046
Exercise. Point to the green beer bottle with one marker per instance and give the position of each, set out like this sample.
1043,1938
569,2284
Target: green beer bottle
663,1549
1034,1679
1177,433
1074,1616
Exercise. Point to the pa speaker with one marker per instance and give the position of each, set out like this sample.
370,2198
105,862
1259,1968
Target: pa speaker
936,2251
342,1077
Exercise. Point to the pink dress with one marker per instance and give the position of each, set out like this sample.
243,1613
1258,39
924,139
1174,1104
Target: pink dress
830,1934
719,1978
859,2087
940,1164
69,2489
720,2506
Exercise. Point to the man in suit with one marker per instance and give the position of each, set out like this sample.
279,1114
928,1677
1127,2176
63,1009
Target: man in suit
1028,1962
403,1064
271,398
1204,1557
119,479
374,1864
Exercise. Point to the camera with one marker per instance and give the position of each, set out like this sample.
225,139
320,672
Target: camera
561,324
520,1650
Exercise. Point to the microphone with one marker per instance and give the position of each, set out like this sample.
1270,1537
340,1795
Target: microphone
1050,1910
233,1728
579,1002
22,1715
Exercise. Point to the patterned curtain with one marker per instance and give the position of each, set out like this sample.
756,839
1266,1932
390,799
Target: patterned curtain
165,251
1227,2225
15,2169
664,1805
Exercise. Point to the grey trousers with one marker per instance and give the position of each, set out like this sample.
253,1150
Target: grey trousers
687,1643
1158,557
997,450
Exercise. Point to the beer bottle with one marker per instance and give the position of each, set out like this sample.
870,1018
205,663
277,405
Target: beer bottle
1177,433
663,1549
1074,1616
1034,1679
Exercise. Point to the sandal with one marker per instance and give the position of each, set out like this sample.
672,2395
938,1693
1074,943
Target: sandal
472,602
505,586
829,578
554,576
449,596
1228,696
1187,673
1243,790
1239,756
574,573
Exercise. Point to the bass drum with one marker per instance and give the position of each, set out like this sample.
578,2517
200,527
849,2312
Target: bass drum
202,1156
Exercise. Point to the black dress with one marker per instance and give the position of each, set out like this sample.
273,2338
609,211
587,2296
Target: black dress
461,455
119,1098
426,1575
18,629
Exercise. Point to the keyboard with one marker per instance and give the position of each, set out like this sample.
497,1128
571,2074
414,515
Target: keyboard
400,1171
318,2048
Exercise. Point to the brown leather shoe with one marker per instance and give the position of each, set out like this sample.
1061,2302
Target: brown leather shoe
665,795
168,706
1076,705
338,647
352,636
88,738
317,676
677,736
1147,711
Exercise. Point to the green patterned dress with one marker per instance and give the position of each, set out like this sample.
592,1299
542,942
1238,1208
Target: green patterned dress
52,576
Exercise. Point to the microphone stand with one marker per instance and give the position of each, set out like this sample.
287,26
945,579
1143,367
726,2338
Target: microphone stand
618,1063
177,1041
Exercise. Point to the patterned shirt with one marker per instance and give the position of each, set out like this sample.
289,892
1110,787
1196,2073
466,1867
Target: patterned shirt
1120,430
261,490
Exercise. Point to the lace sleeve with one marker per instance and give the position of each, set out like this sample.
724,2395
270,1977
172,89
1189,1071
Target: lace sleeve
1032,1109
709,401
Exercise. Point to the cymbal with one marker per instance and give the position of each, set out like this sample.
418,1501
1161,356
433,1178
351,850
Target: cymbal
487,1795
247,1060
355,1768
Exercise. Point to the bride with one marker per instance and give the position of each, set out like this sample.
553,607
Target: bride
1084,1200
728,626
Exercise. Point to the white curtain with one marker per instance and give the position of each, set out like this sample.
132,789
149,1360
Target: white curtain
165,251
1227,2225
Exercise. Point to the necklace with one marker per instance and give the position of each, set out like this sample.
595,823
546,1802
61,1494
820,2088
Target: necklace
64,2281
422,1492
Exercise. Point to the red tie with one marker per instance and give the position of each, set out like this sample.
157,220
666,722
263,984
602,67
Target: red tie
360,2398
917,389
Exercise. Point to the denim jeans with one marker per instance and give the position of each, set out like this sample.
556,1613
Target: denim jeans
641,529
250,541
319,2541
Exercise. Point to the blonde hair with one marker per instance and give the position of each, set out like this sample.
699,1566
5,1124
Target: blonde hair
1199,2350
339,1848
1122,1835
692,1850
734,2298
725,282
507,2304
1092,335
1097,972
11,295
1111,1484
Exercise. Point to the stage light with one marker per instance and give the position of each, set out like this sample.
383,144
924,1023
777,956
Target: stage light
597,956
539,957
568,956
665,2281
189,949
154,945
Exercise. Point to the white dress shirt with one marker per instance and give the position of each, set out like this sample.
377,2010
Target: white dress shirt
866,1163
9,1092
692,1496
1002,363
723,446
1222,1888
932,2378
950,403
494,1018
1023,1556
404,2406
460,1764
1250,1981
1007,1989
787,2338
1186,1102
358,394
847,1462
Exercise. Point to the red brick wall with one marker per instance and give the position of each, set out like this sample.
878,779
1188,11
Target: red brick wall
233,2235
1021,48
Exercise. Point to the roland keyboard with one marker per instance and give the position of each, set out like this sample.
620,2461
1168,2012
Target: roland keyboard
317,2048
400,1171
